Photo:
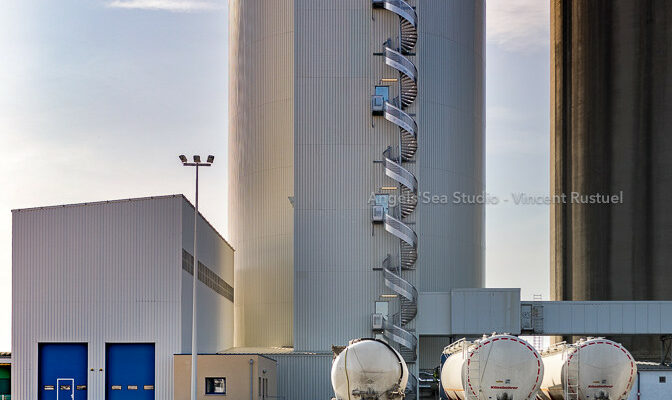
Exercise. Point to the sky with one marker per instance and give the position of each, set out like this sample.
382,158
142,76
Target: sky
98,97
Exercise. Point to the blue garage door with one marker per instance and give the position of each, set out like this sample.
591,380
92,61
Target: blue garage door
130,371
62,371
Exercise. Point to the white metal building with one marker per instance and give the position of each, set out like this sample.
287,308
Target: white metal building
654,382
90,281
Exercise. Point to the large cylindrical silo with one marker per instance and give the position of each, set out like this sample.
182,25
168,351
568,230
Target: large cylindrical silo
308,158
610,124
261,169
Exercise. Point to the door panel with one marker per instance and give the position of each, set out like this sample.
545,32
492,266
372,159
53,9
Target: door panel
62,361
130,371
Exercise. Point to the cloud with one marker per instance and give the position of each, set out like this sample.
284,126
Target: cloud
168,5
518,24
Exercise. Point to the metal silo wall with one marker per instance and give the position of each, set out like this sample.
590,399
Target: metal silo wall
336,246
610,134
304,376
302,74
337,141
261,165
451,142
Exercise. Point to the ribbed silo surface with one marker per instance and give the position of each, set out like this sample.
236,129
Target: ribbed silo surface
451,119
336,246
337,141
303,73
261,168
610,135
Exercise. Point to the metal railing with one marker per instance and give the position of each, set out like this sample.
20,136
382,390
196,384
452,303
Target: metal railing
397,329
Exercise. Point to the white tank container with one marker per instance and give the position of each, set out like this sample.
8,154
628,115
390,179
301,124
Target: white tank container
499,367
603,369
369,369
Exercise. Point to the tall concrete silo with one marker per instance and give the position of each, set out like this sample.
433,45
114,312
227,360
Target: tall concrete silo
611,118
309,159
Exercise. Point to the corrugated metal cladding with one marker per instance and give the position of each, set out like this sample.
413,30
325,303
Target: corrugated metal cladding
303,72
337,140
451,119
304,376
431,348
215,318
261,168
109,272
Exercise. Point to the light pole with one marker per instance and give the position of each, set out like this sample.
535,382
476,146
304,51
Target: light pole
197,163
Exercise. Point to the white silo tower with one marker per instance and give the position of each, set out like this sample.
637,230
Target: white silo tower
310,157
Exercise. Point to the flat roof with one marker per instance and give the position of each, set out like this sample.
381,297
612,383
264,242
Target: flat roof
103,202
228,354
652,366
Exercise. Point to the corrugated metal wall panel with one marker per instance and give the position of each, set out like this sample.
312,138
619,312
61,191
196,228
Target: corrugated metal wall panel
304,376
103,273
336,246
451,142
325,115
96,273
430,351
215,312
261,166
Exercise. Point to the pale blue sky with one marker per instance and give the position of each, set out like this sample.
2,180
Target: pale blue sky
98,97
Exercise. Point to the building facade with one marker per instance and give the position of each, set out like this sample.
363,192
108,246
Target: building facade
102,297
310,160
610,123
5,374
654,382
236,376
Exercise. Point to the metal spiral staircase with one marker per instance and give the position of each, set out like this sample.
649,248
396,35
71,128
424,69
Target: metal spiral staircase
397,329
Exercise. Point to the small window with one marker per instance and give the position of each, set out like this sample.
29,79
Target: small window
383,199
382,307
215,385
662,379
383,91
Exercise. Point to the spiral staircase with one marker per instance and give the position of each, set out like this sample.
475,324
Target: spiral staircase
398,329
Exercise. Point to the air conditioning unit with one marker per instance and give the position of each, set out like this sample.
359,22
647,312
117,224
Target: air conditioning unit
377,105
377,213
377,322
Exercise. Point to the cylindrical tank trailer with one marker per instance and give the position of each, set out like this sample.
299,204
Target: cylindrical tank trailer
594,369
499,367
369,369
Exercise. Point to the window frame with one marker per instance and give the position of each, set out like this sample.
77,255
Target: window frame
212,378
386,97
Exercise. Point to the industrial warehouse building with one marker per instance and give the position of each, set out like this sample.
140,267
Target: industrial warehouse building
654,382
102,297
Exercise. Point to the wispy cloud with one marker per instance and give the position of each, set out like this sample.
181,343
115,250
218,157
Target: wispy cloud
168,5
518,24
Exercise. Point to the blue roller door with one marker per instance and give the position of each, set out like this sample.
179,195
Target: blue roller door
130,371
62,371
